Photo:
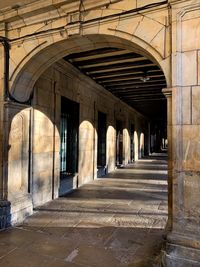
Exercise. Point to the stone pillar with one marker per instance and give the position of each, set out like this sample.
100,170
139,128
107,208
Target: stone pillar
183,239
16,161
4,203
168,94
183,242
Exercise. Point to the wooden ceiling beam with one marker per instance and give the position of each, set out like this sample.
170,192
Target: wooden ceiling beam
143,63
94,52
138,96
120,93
101,56
139,99
127,77
124,68
97,64
118,73
107,59
133,82
136,86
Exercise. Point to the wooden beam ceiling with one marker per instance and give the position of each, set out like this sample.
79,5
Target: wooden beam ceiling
133,78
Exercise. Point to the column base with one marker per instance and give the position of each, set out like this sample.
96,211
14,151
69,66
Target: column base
183,253
21,207
5,215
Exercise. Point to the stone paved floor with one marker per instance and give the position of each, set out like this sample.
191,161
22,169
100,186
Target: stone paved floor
114,221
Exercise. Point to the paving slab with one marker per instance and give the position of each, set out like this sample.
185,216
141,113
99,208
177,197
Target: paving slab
117,220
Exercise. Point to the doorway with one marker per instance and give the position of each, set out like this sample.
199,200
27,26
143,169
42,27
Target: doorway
101,149
119,143
69,125
132,148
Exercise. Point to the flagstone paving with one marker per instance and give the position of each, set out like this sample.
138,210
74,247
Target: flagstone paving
118,220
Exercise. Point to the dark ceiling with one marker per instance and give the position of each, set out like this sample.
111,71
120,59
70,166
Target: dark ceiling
131,77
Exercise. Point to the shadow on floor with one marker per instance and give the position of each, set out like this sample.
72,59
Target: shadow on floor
117,221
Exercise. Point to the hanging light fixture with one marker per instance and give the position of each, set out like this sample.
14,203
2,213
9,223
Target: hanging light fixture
145,77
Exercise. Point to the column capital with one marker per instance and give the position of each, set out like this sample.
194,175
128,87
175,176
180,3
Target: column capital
167,92
10,103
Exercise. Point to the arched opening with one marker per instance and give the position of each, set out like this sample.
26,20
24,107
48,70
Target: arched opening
113,92
30,68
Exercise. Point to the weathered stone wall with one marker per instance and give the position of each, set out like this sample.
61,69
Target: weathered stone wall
64,80
53,31
18,163
183,121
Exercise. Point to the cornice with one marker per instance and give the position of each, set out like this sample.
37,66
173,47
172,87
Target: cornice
16,12
174,2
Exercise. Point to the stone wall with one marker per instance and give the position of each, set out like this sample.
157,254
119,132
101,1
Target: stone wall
59,32
63,79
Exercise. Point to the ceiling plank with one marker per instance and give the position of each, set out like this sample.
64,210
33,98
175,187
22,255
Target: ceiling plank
138,81
106,58
127,77
120,68
152,69
120,71
138,85
96,63
133,92
89,53
155,98
101,56
119,65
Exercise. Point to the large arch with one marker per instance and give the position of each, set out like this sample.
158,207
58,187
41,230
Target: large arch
33,54
33,64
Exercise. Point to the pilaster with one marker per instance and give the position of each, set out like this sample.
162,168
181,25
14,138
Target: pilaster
183,239
16,203
168,94
4,203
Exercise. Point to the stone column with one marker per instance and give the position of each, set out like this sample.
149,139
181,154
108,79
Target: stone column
1,116
16,162
4,203
183,242
168,94
183,239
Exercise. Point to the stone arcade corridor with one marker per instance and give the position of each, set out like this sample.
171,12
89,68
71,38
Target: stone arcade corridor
86,86
118,220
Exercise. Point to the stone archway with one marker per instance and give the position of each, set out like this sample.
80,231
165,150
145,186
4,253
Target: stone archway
25,76
31,55
166,32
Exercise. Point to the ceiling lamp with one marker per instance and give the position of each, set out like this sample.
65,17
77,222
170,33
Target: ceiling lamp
145,78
